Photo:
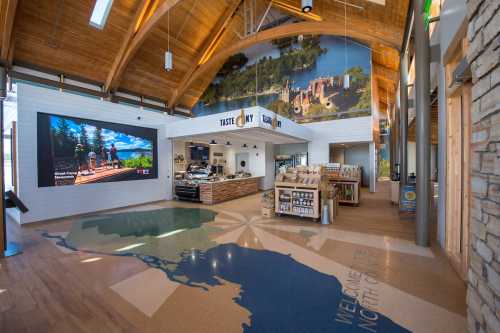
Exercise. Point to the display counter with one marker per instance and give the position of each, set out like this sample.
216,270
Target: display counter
228,189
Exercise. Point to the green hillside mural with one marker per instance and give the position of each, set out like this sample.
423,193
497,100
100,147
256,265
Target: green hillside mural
301,78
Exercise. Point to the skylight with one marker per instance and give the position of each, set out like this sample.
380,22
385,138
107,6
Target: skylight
100,13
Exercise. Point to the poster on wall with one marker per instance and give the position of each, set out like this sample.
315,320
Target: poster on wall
304,78
75,151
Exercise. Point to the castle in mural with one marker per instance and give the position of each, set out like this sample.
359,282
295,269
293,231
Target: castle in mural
304,78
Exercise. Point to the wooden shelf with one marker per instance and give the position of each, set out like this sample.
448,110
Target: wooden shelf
348,191
296,185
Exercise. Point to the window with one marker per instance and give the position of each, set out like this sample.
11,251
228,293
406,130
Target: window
100,13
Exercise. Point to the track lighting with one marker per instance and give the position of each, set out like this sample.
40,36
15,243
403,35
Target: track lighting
307,5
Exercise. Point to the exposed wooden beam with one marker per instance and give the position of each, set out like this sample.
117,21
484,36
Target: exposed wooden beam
359,32
385,96
139,17
7,28
206,51
296,11
139,38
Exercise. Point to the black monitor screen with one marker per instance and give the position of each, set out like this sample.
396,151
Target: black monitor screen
199,153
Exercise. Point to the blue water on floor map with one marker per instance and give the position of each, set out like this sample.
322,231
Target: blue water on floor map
282,294
149,223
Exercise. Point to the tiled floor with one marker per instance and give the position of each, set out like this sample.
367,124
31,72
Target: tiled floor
181,267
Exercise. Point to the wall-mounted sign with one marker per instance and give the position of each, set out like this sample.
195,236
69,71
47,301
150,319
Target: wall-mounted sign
274,122
239,121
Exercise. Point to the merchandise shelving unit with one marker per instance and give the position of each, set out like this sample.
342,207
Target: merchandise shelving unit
297,199
347,190
347,180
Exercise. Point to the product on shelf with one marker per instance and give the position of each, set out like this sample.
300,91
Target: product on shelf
268,199
337,170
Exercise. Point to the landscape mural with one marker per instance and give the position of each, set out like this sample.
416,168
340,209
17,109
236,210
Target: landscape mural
74,151
301,78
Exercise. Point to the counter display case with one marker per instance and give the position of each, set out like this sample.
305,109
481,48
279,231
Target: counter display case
228,189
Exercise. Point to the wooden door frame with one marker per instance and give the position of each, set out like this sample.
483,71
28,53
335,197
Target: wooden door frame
458,102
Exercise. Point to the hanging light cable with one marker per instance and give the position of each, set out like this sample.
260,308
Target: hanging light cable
346,75
168,53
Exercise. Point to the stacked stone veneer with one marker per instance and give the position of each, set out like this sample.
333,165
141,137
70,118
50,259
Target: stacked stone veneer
483,296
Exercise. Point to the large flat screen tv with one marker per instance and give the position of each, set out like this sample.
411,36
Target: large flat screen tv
76,151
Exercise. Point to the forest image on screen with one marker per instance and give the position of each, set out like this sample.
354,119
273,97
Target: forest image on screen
74,151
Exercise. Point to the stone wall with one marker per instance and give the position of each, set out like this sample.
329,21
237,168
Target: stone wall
483,296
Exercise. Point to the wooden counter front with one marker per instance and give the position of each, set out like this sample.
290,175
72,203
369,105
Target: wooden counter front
215,192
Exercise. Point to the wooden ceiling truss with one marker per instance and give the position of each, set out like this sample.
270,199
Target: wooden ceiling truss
128,53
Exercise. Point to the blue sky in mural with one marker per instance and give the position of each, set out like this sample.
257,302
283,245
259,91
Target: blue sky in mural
329,64
120,140
304,93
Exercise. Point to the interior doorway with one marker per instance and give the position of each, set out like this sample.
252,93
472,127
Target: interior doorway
458,136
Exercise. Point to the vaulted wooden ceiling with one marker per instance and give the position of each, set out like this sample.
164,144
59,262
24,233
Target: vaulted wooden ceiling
128,54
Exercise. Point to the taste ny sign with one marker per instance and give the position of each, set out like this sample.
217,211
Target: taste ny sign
239,121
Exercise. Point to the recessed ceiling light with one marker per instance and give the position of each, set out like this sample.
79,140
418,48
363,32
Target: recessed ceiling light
100,13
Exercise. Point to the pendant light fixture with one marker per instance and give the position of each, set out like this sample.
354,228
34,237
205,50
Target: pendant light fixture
228,143
212,143
169,59
306,5
254,146
346,75
244,145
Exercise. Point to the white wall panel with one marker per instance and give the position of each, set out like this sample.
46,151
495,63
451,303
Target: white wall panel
337,131
54,202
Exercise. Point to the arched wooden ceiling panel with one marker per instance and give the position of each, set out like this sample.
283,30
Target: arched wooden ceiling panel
57,35
189,27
